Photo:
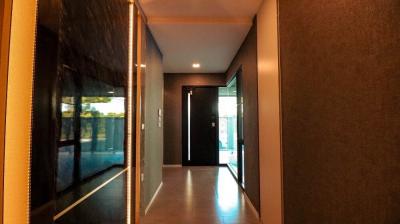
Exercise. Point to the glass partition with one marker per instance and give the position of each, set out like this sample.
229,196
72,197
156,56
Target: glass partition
227,106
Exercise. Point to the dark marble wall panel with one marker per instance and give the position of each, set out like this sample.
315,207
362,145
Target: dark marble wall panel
340,63
44,115
173,84
86,41
246,59
43,127
94,38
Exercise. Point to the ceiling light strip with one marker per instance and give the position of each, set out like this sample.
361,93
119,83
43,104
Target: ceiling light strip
200,20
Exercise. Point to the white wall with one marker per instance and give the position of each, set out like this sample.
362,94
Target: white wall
269,114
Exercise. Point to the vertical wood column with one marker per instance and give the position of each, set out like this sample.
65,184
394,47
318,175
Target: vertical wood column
5,22
18,111
269,114
138,119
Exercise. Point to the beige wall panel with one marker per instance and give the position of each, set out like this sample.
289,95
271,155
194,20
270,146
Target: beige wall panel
5,14
18,120
269,114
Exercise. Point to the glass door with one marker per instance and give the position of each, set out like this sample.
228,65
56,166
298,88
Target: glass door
227,106
231,138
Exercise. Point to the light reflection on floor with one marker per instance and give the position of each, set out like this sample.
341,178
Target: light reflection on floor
205,195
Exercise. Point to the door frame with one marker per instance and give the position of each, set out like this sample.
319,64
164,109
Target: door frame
184,154
240,127
239,175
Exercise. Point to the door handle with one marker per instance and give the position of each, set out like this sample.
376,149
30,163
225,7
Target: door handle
213,124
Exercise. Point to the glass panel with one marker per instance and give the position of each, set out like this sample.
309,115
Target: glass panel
227,106
67,118
65,167
66,153
102,133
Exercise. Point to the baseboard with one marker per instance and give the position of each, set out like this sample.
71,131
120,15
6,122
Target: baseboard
153,198
251,205
172,165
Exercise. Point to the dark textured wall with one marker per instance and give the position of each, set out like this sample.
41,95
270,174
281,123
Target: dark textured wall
153,100
173,84
340,68
246,58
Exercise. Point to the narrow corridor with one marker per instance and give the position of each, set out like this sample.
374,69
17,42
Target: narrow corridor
205,195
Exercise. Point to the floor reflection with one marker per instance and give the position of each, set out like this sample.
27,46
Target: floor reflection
200,195
228,193
106,206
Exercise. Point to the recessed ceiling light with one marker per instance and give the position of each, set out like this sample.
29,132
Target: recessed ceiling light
196,65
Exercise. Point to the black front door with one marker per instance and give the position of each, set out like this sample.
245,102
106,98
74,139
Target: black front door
200,126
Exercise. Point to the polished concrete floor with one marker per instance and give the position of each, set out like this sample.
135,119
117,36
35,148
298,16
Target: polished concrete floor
199,195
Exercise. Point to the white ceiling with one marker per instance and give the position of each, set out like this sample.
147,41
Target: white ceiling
208,32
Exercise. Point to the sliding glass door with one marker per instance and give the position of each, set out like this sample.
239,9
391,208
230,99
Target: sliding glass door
227,103
231,143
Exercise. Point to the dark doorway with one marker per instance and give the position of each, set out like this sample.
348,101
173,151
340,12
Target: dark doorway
200,126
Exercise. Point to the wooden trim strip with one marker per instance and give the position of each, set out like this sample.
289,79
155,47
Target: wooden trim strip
172,166
19,112
5,27
138,119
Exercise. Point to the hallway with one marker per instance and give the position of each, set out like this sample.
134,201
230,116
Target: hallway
205,195
199,112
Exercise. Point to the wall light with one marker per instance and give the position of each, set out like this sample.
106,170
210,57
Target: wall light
196,65
129,130
141,65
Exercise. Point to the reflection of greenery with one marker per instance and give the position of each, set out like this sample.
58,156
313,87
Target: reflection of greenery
96,99
86,126
68,114
91,114
86,99
67,100
88,115
87,110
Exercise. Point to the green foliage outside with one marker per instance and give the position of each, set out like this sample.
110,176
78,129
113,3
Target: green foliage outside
88,115
87,110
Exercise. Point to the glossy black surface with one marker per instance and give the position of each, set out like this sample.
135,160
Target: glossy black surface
78,133
83,189
106,206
